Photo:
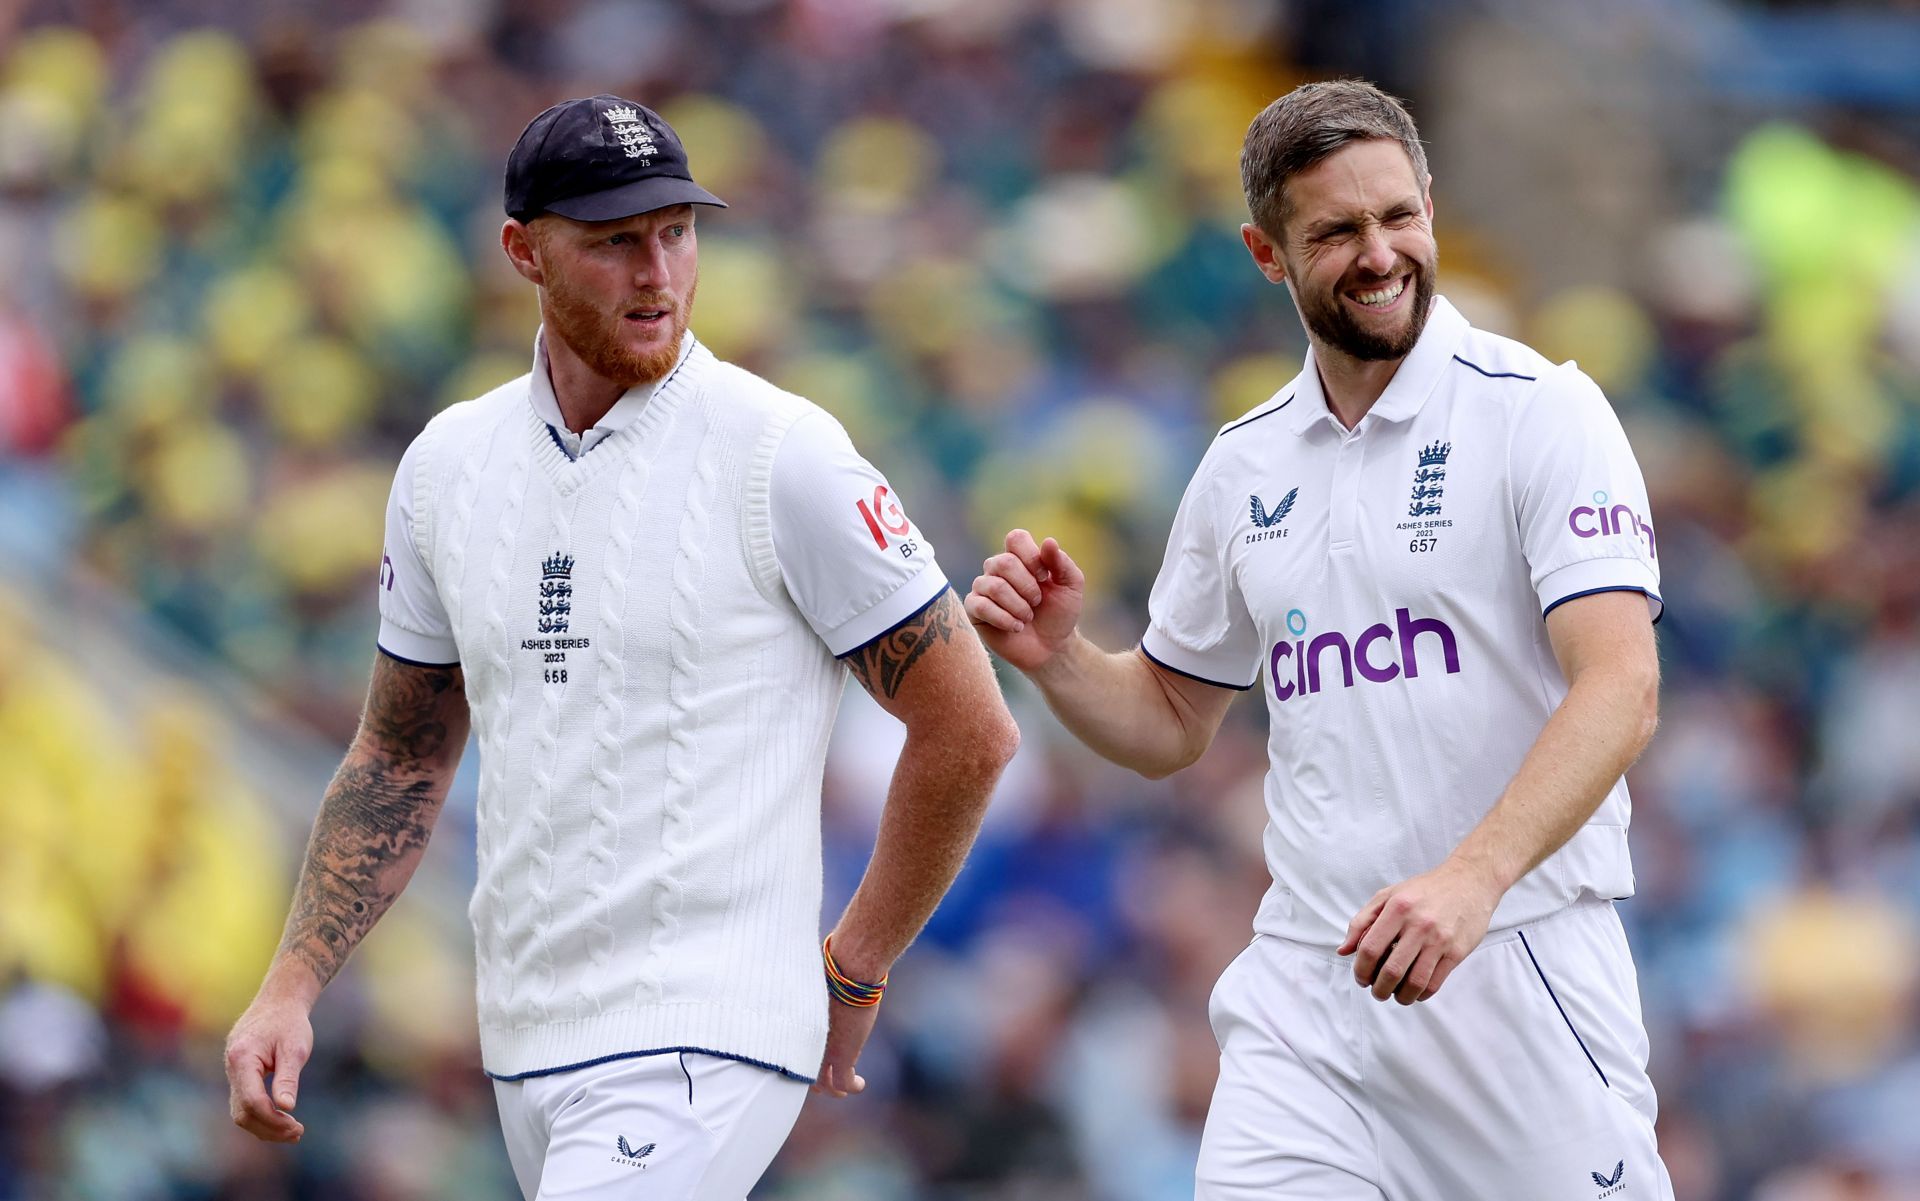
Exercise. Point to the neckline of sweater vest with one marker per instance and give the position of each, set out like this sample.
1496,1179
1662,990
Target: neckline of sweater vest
569,473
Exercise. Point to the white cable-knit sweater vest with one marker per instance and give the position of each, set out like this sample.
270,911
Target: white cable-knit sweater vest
653,715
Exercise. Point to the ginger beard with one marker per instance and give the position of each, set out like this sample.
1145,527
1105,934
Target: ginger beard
1330,319
600,337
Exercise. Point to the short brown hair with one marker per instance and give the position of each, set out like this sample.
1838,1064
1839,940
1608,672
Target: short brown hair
1308,124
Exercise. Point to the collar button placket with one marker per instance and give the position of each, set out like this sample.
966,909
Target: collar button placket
1344,504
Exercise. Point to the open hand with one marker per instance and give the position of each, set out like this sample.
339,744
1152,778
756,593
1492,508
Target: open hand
848,1027
1411,935
272,1038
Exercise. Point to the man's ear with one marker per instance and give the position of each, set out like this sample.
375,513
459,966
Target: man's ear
519,243
1265,250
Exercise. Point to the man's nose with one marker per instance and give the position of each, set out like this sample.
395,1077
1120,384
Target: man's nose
650,266
1376,255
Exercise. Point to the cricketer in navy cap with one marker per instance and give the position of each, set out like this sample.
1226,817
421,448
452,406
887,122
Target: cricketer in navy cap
600,216
599,159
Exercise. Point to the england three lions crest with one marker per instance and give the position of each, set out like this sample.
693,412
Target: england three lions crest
556,593
636,140
1428,478
1424,522
553,602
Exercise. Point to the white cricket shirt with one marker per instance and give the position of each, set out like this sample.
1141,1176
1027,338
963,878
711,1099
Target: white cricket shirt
647,618
1389,585
848,577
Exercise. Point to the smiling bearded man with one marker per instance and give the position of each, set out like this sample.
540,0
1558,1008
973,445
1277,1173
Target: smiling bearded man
1335,324
1435,545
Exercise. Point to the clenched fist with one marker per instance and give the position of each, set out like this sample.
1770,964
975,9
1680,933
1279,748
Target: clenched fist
1026,601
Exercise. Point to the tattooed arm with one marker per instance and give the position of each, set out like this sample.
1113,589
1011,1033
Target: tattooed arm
932,673
367,839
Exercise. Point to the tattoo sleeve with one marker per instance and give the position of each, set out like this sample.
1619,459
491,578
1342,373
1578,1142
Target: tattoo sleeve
959,736
378,811
882,664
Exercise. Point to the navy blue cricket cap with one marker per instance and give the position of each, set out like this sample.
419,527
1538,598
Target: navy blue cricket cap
599,159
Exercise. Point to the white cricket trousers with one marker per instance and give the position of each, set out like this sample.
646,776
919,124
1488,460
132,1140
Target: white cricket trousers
676,1126
1523,1079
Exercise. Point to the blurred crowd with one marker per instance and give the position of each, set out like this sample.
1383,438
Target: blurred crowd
247,250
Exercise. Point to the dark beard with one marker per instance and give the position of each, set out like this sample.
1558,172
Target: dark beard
1330,321
588,332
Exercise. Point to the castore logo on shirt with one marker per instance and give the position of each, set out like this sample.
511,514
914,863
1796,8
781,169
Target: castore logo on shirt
1264,522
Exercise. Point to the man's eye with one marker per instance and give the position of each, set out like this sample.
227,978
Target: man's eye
618,240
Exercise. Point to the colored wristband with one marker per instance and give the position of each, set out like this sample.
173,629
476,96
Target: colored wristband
845,990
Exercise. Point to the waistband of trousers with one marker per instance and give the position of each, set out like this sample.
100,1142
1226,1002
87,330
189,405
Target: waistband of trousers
1581,906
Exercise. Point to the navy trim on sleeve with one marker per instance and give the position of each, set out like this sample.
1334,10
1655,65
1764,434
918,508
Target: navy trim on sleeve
594,1063
1197,679
944,589
1249,421
1653,596
1493,374
412,662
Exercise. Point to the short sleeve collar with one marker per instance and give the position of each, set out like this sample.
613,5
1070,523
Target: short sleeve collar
623,413
1419,373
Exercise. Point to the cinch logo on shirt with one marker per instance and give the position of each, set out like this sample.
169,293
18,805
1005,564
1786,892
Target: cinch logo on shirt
1357,654
1591,521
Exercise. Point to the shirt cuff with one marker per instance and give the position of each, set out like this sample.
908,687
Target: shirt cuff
908,599
1600,575
421,650
1217,670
